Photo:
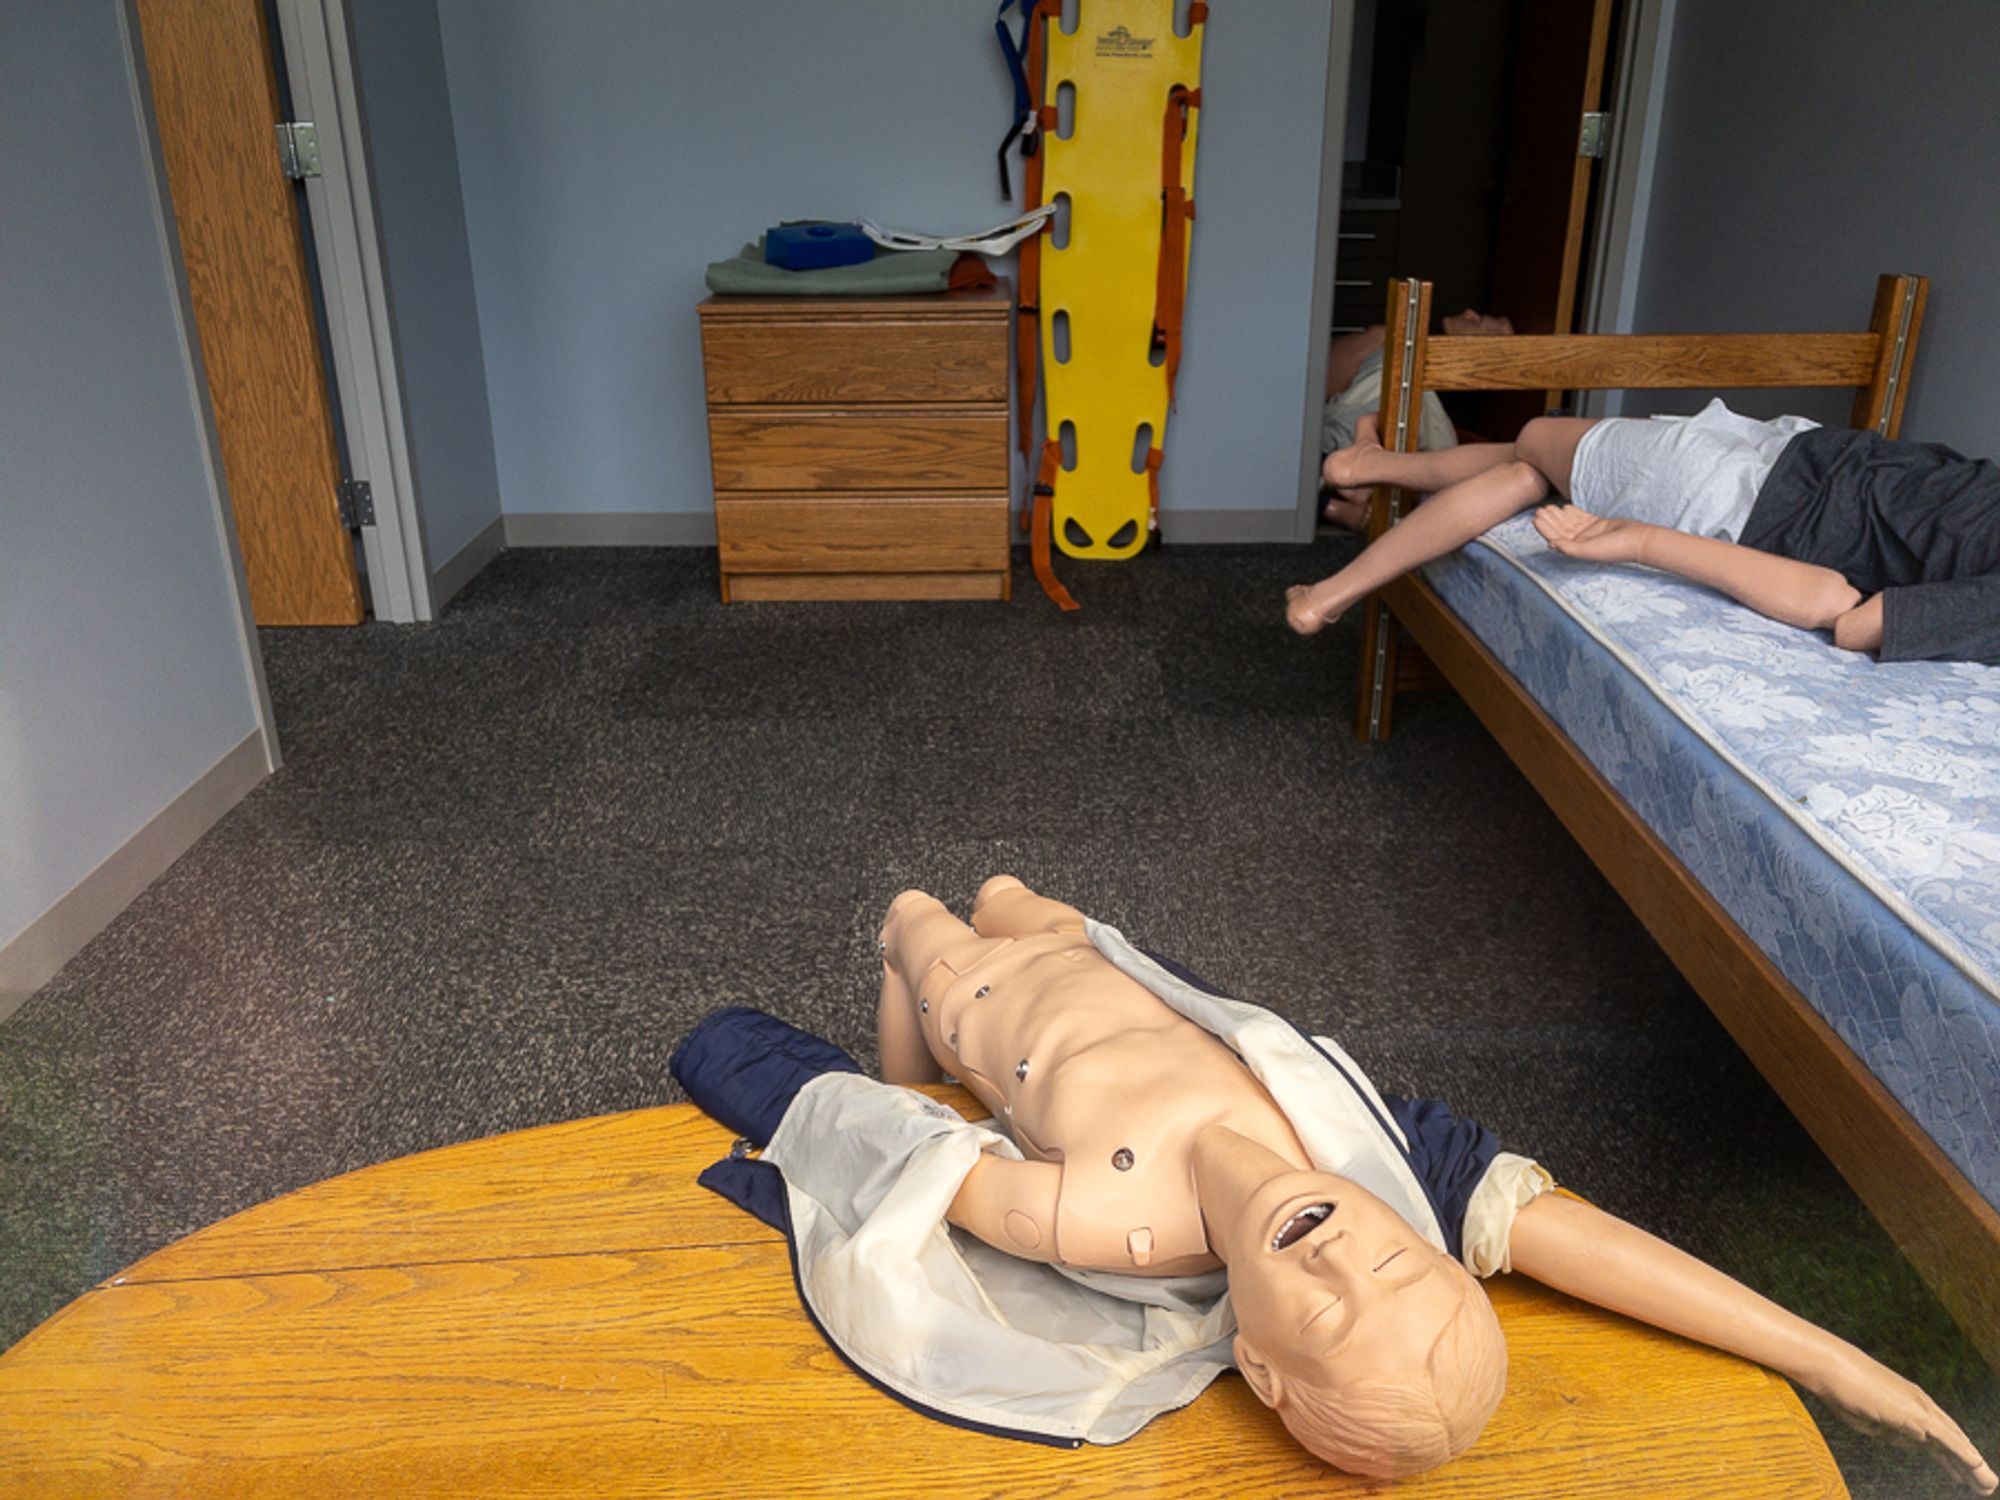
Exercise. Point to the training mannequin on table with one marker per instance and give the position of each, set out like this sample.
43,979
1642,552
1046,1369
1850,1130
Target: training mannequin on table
1893,547
1150,1148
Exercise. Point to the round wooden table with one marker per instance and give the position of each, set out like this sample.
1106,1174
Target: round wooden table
563,1312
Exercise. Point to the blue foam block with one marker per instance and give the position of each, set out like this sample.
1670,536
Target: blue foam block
807,247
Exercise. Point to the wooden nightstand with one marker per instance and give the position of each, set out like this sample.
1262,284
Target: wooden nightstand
859,445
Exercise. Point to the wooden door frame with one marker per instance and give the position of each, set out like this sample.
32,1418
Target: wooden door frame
1332,157
317,54
1607,300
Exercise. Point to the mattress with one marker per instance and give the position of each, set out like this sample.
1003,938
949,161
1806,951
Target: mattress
1844,812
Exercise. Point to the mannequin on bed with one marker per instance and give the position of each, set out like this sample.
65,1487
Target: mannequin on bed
1152,1150
1894,547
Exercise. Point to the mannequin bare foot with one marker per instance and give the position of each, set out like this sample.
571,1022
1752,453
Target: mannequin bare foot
1341,471
1308,612
1577,533
1349,508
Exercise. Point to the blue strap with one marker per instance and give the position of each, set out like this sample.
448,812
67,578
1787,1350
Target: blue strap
1017,53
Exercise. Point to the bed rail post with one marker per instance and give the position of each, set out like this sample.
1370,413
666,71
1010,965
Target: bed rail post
1403,343
1898,319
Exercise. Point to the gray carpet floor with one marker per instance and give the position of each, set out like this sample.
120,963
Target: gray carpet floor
513,855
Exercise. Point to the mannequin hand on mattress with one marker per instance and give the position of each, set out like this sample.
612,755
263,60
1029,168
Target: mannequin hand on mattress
1578,533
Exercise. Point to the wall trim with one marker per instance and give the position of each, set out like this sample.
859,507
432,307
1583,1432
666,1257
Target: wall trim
562,528
1222,528
466,564
33,958
1179,528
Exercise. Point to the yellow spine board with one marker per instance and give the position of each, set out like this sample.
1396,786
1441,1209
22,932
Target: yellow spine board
1123,61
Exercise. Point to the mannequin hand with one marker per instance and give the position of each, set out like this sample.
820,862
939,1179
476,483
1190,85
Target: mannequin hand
1874,1399
1577,533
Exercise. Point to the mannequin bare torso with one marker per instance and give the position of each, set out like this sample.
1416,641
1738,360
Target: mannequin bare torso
1096,1078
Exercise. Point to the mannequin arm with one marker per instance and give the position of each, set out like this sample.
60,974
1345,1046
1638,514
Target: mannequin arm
1592,1255
1782,588
1011,1205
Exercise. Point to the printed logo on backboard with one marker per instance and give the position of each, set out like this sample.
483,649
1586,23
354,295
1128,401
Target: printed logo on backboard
1119,42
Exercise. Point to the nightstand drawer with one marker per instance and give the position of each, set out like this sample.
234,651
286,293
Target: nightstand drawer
862,533
820,361
798,448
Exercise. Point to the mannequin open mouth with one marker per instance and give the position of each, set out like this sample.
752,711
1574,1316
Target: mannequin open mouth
1301,1224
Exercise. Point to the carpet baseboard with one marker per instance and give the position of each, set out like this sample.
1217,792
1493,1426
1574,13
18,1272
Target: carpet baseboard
1222,528
1179,528
610,529
37,954
464,565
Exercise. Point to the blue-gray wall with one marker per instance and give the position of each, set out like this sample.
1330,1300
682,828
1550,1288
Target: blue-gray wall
123,673
1806,147
609,149
427,266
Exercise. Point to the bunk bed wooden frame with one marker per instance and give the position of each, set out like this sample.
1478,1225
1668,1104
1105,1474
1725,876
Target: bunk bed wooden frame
1950,1233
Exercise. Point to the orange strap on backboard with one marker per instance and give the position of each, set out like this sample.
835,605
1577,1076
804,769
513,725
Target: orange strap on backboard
1154,458
1045,524
1027,316
1170,293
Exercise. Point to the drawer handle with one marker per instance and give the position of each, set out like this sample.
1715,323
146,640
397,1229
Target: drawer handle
1363,281
1356,234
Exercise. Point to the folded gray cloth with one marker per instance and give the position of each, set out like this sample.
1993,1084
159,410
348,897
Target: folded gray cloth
890,273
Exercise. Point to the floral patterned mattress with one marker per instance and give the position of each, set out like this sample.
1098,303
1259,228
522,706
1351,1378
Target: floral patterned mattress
1845,813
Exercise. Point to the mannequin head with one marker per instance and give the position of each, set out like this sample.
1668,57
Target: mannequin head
1379,1353
1473,323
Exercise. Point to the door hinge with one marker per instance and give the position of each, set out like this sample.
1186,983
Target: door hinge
357,504
1596,137
298,148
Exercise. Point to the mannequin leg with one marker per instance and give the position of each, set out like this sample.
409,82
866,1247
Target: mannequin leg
1007,908
906,1057
1367,463
917,933
1542,459
1443,523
